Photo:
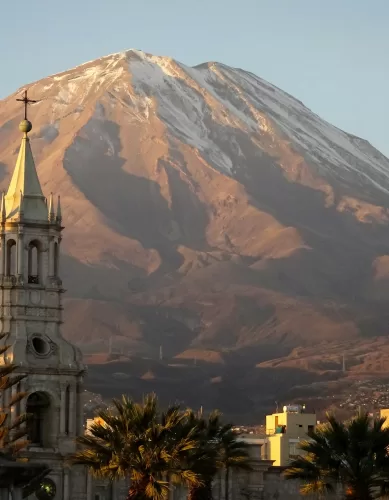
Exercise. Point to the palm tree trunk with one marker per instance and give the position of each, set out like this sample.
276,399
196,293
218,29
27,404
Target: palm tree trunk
203,492
192,493
227,484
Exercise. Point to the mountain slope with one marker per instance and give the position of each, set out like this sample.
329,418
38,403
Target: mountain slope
206,209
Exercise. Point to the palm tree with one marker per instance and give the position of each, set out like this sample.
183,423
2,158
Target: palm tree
204,458
218,448
232,454
351,455
12,431
139,442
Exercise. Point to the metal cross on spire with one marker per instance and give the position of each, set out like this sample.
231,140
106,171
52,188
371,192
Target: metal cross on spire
26,101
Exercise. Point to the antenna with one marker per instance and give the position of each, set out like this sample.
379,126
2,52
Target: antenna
160,353
276,402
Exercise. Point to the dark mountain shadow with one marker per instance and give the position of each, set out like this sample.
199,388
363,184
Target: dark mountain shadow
133,205
189,212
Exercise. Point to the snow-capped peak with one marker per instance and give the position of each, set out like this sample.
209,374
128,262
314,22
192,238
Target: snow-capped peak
188,100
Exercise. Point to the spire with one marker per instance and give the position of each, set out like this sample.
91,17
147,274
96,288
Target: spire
59,211
51,208
25,186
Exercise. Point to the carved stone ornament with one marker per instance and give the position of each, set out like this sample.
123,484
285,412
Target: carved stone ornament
41,346
35,297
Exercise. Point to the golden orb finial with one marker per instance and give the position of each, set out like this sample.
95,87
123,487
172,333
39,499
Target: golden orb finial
25,126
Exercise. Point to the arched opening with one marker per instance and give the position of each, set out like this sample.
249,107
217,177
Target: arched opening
33,262
11,258
56,259
67,410
38,423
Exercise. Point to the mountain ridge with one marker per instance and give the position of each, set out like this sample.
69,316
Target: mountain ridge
206,209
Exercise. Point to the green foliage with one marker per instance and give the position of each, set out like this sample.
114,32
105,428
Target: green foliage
351,455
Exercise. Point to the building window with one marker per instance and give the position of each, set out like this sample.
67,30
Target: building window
11,258
293,450
33,262
38,428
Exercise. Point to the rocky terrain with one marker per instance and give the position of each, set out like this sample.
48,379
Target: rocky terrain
213,221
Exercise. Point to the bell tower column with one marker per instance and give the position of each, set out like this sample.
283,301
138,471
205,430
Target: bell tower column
20,271
62,420
51,257
2,256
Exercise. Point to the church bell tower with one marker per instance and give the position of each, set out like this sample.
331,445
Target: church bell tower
31,317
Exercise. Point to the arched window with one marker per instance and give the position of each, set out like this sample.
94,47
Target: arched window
38,424
33,262
67,409
11,258
56,259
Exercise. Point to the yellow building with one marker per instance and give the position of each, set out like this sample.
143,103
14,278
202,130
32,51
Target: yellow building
285,431
384,413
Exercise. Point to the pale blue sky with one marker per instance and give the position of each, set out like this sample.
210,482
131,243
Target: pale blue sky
331,54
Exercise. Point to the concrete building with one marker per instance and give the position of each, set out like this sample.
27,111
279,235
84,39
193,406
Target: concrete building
31,316
284,432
